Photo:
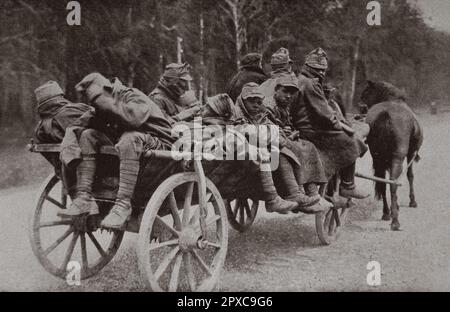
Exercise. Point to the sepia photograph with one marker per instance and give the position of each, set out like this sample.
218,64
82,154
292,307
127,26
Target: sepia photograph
224,146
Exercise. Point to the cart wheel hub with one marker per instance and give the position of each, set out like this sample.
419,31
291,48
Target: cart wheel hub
188,239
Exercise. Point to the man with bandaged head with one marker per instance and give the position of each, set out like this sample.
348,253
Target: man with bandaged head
220,110
321,125
172,94
127,119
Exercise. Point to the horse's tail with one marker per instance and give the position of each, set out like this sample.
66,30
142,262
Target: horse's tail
382,145
379,169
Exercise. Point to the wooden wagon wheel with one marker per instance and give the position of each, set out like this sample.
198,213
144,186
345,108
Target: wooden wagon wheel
330,222
241,213
52,197
180,258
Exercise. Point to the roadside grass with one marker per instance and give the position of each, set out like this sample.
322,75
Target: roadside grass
18,166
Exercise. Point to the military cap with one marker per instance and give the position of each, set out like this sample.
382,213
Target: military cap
317,59
280,57
251,90
180,71
287,80
48,91
251,59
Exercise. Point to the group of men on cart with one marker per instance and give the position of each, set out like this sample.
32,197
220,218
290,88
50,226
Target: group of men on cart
315,140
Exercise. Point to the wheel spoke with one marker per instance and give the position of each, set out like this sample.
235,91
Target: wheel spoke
189,270
195,216
55,223
55,202
235,209
58,241
247,209
242,213
84,258
214,219
175,273
174,210
331,225
337,218
63,196
187,204
96,244
165,263
215,245
166,226
164,244
70,250
203,265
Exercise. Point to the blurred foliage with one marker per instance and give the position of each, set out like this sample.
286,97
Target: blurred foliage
135,39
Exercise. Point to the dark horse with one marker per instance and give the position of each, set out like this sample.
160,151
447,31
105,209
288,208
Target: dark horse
395,134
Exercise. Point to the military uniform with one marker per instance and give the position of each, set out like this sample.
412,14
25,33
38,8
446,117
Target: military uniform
318,123
250,71
127,119
169,94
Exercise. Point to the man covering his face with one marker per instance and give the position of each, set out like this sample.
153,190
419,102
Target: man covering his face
172,94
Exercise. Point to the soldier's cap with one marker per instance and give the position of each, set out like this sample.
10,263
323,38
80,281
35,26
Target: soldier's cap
251,90
281,57
176,70
48,91
317,58
251,59
287,80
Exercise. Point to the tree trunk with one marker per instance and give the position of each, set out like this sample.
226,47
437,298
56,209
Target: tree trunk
354,70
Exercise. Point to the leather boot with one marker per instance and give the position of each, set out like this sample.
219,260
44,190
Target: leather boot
274,203
83,202
294,193
121,212
348,188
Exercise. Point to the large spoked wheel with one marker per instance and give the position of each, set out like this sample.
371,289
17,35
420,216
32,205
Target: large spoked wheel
173,255
242,213
54,240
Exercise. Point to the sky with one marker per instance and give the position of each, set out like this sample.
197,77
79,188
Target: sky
436,13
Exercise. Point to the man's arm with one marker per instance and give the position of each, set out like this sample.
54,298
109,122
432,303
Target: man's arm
314,93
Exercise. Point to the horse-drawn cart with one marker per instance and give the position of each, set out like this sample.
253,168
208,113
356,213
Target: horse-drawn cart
183,233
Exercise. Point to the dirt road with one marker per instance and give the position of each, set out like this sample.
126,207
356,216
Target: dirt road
283,253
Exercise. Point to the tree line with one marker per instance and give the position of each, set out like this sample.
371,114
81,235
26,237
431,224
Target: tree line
135,39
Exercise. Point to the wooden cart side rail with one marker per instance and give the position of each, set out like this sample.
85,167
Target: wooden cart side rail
110,150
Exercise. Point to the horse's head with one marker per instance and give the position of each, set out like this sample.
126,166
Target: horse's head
380,91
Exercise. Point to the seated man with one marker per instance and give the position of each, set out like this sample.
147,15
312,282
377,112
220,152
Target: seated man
220,110
55,112
281,64
361,129
250,71
318,123
296,177
130,121
171,94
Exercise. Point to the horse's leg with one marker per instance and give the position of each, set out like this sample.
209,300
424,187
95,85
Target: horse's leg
395,173
412,197
386,210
